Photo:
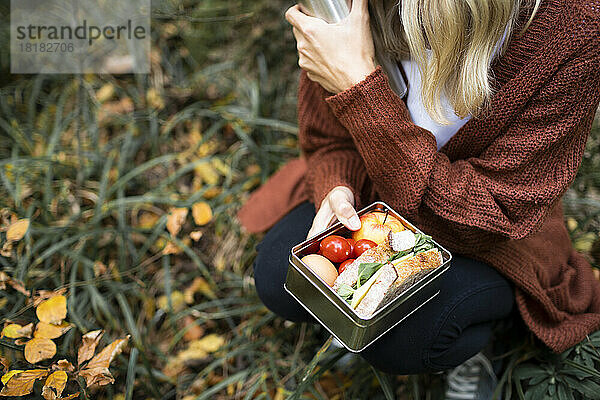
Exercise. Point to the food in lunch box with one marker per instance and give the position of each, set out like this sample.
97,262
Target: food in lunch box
336,248
380,274
345,264
363,245
376,226
322,267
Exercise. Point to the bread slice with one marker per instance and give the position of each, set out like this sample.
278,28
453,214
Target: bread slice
408,273
372,300
349,276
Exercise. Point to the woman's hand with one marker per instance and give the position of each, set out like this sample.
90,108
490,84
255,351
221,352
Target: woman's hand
339,203
337,56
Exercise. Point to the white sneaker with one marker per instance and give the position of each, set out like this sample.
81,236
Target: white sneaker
472,380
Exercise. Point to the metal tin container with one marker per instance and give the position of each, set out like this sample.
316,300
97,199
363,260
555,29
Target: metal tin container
335,314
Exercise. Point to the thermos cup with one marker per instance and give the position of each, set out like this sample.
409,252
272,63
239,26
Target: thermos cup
333,11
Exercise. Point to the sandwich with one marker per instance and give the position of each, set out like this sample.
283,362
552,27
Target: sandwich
382,273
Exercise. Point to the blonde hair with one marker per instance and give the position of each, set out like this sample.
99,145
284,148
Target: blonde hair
453,43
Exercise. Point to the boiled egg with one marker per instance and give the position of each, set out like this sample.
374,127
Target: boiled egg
322,267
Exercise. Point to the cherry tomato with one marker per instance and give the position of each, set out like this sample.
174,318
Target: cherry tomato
345,264
351,243
363,245
335,248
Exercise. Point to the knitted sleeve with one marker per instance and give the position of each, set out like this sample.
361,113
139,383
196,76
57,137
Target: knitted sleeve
332,158
508,190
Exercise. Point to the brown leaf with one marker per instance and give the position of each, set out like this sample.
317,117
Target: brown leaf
88,346
5,364
97,376
64,365
51,331
17,230
21,384
194,331
176,219
5,378
15,284
57,381
202,213
105,357
53,310
39,349
26,331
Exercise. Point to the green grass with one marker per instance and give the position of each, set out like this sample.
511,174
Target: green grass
86,157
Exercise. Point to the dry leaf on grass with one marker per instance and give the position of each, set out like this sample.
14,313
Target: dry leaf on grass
21,383
53,310
196,350
15,284
9,375
16,331
64,365
177,301
42,295
176,219
196,235
17,230
96,371
202,213
54,385
51,331
39,349
4,363
198,285
89,341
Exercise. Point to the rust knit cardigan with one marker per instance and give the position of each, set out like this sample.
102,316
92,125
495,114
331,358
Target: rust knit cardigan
493,191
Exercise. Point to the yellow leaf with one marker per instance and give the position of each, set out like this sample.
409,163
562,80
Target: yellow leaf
105,93
22,383
51,331
176,220
11,331
5,378
198,285
39,349
148,220
53,310
208,174
209,343
105,357
202,213
177,301
57,381
212,192
88,346
17,230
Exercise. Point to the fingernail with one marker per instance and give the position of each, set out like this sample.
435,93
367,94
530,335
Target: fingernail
354,222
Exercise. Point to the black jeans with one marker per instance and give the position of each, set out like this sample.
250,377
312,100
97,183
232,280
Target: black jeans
442,334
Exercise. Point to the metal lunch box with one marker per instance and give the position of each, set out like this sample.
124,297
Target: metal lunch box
335,314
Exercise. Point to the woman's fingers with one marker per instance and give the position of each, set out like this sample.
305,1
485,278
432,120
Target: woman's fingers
340,203
299,20
321,221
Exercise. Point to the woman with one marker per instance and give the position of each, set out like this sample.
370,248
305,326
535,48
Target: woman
501,100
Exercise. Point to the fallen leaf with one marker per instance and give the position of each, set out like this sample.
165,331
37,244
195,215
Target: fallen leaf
105,357
105,92
5,378
209,343
5,364
42,295
53,310
176,219
64,365
12,331
198,285
202,213
97,376
39,349
207,173
89,341
148,220
177,301
196,235
17,230
71,396
15,284
193,331
57,381
51,331
26,331
100,268
172,248
21,384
